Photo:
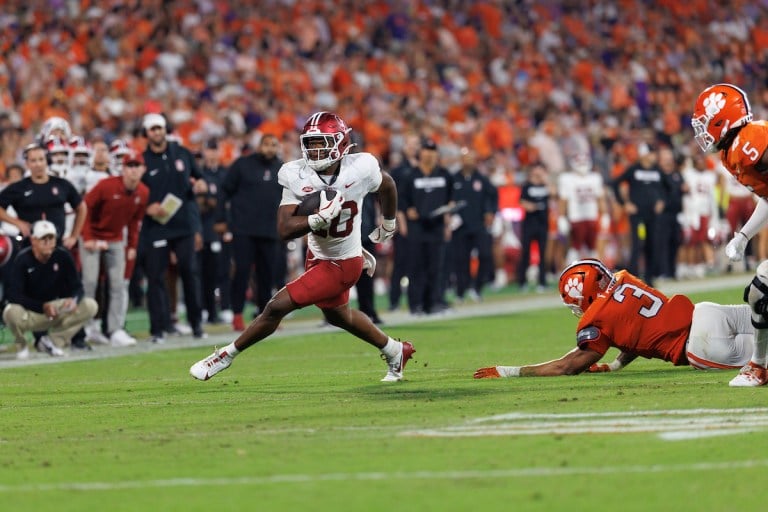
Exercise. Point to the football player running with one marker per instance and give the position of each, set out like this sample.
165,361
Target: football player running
335,257
620,310
722,122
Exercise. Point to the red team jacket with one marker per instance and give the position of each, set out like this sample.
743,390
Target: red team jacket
112,208
638,319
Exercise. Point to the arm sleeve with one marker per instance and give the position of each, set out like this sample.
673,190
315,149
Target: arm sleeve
758,219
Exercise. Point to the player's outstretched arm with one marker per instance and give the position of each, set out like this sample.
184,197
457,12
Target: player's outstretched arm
622,360
574,362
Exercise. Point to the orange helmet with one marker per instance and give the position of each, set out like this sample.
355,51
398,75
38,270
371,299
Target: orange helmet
719,109
582,282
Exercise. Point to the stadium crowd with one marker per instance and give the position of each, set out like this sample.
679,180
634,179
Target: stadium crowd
570,89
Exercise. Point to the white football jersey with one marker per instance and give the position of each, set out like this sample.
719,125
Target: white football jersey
702,198
358,175
581,192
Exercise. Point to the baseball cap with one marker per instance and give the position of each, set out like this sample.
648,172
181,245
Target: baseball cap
152,120
133,156
43,228
428,143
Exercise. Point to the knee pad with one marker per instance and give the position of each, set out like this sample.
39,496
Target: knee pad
756,295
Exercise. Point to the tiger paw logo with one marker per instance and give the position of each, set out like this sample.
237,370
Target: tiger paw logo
714,103
573,287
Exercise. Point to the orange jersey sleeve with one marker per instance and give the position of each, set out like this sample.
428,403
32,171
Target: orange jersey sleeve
745,152
637,319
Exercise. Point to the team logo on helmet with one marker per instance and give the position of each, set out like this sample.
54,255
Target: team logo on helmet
714,103
574,287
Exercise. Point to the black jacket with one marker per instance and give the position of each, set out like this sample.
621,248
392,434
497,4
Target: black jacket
169,173
31,283
253,194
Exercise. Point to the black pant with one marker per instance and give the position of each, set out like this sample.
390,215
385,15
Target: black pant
670,238
399,269
647,248
364,287
262,253
156,261
426,260
209,264
533,231
464,244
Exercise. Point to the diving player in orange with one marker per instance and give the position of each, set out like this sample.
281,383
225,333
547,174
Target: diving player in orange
620,310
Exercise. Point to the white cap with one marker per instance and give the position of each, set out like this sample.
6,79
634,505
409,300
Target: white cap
43,228
152,120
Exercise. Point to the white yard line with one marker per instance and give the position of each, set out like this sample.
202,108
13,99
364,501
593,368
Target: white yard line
510,473
670,425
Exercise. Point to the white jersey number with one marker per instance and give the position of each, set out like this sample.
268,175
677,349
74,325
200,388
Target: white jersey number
648,311
339,229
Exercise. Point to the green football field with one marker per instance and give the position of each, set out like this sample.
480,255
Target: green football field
303,423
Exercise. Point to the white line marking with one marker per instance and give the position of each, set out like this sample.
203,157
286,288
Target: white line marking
671,425
380,476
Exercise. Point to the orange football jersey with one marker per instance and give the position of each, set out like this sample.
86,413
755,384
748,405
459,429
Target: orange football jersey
638,319
745,152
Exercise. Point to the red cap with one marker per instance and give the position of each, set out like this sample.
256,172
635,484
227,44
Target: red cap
133,156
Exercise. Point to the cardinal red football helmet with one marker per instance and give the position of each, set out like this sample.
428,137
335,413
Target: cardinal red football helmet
719,109
324,140
582,282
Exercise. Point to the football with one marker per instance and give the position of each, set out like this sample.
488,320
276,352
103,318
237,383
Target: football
310,203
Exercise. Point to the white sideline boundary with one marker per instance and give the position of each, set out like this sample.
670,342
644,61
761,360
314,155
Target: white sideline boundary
510,473
515,304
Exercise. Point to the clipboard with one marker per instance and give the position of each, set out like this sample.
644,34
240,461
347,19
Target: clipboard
171,205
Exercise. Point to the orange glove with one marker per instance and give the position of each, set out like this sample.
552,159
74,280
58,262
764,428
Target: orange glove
487,373
599,368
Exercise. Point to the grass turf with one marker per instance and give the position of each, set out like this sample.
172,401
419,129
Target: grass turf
302,423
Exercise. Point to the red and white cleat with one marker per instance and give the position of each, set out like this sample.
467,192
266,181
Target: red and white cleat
211,365
397,363
750,376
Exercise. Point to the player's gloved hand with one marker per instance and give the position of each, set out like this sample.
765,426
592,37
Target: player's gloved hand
563,226
736,247
613,366
369,263
329,210
495,372
384,232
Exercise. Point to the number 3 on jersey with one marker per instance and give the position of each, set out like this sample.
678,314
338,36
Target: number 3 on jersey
650,303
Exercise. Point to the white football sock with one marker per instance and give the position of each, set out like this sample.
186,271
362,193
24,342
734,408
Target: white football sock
230,349
761,347
392,348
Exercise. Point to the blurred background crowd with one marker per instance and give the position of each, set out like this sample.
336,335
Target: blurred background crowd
532,95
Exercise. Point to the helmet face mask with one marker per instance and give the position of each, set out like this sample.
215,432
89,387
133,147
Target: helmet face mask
324,140
582,282
719,109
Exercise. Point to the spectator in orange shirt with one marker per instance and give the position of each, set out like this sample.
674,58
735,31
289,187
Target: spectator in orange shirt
619,310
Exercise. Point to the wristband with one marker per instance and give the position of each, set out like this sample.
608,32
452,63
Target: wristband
615,365
508,371
389,224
